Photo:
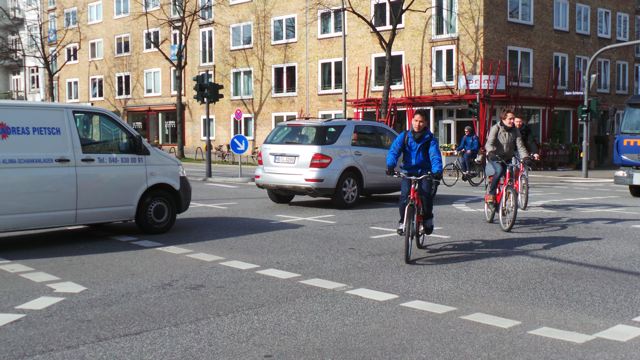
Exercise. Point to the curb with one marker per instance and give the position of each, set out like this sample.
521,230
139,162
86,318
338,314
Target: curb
220,179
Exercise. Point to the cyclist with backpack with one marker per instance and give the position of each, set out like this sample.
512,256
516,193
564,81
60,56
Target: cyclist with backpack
469,146
420,155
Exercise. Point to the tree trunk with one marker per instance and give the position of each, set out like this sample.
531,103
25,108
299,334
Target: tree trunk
386,90
50,88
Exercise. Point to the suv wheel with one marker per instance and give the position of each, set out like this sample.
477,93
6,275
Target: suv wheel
279,198
634,190
347,190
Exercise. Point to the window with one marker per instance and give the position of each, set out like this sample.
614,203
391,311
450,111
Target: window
330,23
34,78
242,83
283,29
33,36
72,54
384,11
54,59
203,127
206,10
445,19
330,114
284,79
397,62
120,8
520,62
622,26
622,77
96,88
241,36
583,19
94,12
331,77
206,46
637,28
70,17
636,79
277,118
95,50
100,134
604,23
149,5
243,126
561,15
174,82
51,3
123,46
520,11
443,59
123,85
152,82
52,35
151,40
561,70
603,75
366,136
72,90
580,70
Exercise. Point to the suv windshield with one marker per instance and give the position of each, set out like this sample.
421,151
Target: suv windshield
304,134
631,121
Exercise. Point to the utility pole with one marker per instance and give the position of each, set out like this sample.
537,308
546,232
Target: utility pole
344,63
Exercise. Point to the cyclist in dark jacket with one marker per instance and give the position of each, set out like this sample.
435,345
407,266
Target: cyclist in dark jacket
527,137
420,155
469,145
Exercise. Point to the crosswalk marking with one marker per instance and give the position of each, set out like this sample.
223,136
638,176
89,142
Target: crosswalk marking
620,333
39,276
40,303
239,265
570,336
174,250
15,268
7,318
312,218
491,320
325,284
205,257
67,287
372,294
428,306
278,273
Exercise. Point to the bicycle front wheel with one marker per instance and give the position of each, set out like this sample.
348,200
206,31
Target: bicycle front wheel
508,208
523,194
409,232
477,175
450,175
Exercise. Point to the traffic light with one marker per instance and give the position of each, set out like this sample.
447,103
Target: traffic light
213,92
200,87
594,106
583,112
473,109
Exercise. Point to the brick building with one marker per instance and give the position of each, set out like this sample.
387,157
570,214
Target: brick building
282,59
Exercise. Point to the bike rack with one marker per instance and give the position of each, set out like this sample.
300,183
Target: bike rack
201,153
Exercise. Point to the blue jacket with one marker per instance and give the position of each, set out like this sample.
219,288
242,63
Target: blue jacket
414,161
469,142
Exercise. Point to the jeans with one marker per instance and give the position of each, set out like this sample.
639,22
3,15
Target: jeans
500,169
424,190
465,162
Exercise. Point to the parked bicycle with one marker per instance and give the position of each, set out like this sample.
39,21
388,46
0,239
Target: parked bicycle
453,171
413,216
506,200
222,154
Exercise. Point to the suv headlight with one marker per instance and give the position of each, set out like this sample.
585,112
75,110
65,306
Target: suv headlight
182,171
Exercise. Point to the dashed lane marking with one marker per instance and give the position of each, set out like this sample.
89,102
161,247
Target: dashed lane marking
541,202
223,185
7,318
372,294
312,218
124,238
67,287
15,268
428,306
239,265
205,257
174,250
325,284
491,320
278,273
620,333
215,206
39,276
147,243
570,336
40,303
394,232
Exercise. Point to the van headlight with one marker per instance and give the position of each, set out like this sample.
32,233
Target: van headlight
182,171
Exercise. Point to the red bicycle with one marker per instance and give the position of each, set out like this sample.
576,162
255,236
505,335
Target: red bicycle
413,216
506,198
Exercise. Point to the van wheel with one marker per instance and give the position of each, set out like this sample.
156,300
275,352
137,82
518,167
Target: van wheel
280,198
347,191
634,190
156,212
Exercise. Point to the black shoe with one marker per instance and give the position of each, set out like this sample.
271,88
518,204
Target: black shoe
400,229
428,226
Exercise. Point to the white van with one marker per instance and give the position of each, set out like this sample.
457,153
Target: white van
64,165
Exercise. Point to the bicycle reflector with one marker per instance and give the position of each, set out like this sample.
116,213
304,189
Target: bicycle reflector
260,158
320,161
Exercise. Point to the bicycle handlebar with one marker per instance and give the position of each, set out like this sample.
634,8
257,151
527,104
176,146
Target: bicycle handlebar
403,175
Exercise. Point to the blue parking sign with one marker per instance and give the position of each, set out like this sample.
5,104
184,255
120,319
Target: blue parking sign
239,144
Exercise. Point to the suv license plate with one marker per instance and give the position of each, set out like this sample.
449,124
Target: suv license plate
285,159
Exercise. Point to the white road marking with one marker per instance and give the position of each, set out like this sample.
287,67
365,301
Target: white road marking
428,306
439,236
636,319
174,250
4,261
124,238
620,333
239,265
15,268
382,236
215,206
491,320
67,287
278,273
325,284
562,335
205,257
372,294
7,318
538,203
635,226
39,276
40,303
614,210
312,218
147,243
224,186
589,181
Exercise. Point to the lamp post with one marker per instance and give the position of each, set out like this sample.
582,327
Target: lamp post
344,62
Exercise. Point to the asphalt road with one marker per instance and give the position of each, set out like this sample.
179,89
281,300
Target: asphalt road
240,277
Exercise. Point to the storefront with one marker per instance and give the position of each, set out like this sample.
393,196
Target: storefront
157,124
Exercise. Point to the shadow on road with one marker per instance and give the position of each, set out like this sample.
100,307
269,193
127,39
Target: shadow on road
553,224
369,202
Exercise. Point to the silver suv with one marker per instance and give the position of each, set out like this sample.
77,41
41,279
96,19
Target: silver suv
340,159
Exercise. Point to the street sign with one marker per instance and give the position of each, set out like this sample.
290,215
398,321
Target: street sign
237,115
239,144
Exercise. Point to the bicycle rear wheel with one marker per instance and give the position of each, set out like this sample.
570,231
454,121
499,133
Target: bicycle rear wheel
421,239
409,232
523,194
478,175
450,174
508,208
489,209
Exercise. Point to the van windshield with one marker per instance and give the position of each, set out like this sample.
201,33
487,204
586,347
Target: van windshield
631,121
304,134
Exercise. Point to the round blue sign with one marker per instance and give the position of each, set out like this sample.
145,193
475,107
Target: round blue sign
239,144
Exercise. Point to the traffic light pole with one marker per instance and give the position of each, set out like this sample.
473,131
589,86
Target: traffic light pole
587,82
208,132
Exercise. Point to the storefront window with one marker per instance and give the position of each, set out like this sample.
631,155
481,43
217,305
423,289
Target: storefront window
158,127
532,118
560,127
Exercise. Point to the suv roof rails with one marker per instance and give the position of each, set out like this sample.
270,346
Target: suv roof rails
341,118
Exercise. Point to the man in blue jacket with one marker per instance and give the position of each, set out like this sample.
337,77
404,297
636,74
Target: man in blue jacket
420,155
469,146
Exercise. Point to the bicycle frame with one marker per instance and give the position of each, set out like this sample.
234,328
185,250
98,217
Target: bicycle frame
415,201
